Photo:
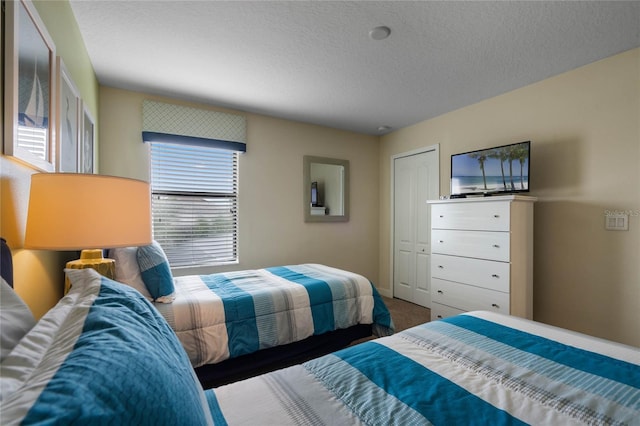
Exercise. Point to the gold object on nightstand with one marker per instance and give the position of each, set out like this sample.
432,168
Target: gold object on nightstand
91,259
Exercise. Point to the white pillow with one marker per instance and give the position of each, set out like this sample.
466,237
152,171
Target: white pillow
127,269
16,320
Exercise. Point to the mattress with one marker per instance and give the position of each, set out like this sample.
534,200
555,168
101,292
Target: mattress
476,368
227,315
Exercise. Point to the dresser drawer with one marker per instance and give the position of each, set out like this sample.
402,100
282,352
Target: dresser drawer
468,297
439,311
478,244
480,273
482,216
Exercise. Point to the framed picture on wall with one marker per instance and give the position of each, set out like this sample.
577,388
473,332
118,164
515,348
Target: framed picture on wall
30,83
69,121
88,143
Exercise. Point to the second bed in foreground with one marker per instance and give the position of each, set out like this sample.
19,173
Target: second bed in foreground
477,368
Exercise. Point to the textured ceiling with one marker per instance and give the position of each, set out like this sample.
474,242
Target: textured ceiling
313,61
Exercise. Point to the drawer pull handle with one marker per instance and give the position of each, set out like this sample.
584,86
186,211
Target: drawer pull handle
441,241
496,245
440,292
441,215
495,305
440,266
495,276
496,216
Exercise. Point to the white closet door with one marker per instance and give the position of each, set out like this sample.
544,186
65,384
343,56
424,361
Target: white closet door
416,180
404,229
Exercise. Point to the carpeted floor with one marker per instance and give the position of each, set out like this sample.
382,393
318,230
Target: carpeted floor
405,314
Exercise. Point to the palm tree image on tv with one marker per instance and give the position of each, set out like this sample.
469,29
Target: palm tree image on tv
500,169
481,156
521,153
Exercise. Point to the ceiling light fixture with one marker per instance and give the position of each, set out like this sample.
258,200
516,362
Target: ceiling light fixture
380,33
383,129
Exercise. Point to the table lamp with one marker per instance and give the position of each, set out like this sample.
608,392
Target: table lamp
71,211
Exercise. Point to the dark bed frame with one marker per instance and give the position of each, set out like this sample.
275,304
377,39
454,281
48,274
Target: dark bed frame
245,366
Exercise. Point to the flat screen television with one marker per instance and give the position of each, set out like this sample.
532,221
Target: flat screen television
497,170
315,198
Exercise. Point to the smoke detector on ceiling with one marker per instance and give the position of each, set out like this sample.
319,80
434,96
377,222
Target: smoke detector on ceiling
380,33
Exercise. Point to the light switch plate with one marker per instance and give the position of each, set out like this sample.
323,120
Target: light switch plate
616,222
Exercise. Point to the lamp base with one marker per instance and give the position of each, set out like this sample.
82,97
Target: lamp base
91,259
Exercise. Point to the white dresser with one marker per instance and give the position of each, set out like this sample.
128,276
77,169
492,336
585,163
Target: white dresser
482,255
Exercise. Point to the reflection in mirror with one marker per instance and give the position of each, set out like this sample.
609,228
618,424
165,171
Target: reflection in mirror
326,189
327,183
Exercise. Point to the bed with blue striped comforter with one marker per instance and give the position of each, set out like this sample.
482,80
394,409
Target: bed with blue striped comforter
226,315
477,368
102,356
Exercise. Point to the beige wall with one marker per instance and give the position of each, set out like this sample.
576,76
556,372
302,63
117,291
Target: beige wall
38,274
585,160
272,227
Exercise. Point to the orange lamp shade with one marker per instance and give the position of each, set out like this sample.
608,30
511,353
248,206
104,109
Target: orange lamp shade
70,211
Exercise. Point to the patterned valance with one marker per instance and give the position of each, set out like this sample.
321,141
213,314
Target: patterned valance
162,122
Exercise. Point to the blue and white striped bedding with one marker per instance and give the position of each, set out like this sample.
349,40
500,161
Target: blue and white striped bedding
226,315
102,356
477,368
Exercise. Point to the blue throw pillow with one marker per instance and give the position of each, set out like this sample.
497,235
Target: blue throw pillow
156,273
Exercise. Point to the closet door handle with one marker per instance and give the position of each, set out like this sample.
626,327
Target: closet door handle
495,305
440,292
496,216
495,276
496,246
440,267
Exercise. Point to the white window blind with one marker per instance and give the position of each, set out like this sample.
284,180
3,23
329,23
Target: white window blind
194,203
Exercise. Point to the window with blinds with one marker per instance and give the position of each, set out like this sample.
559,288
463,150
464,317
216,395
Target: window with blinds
194,192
